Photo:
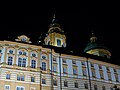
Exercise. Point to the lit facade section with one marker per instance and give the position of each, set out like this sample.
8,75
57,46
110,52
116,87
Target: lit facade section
27,67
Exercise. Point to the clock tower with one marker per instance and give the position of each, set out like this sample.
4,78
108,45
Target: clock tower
55,35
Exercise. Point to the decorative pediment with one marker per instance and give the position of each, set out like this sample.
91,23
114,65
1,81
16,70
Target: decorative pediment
23,38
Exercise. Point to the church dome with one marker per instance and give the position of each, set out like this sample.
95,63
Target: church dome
96,47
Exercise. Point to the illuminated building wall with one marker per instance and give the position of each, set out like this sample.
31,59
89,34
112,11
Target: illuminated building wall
24,66
20,68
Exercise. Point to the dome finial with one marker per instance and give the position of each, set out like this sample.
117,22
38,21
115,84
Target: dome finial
93,38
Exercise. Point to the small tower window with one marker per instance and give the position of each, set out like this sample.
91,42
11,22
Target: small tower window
58,42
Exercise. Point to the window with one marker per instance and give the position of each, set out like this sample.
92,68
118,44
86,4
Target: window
54,59
93,73
73,62
65,70
0,51
54,68
54,82
33,54
109,76
103,88
100,67
7,76
58,42
64,61
20,52
83,63
20,77
95,87
65,84
76,84
10,59
7,87
116,77
20,88
86,85
115,71
44,66
75,71
101,75
11,51
21,62
33,63
43,57
43,81
32,79
32,88
24,53
84,72
92,65
48,42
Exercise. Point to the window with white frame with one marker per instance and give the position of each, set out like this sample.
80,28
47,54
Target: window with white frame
7,87
10,60
44,66
20,88
22,62
33,63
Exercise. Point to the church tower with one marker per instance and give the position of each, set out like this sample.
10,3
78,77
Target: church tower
55,35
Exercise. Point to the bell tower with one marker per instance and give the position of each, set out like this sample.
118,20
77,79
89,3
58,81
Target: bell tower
55,35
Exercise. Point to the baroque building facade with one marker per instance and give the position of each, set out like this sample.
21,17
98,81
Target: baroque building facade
49,66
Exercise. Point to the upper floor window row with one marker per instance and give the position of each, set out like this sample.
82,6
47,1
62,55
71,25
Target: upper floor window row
22,53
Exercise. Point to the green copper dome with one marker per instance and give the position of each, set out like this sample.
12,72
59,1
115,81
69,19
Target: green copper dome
95,45
97,48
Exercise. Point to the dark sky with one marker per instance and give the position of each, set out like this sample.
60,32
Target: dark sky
77,26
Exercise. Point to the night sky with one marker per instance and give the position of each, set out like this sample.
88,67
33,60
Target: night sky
77,26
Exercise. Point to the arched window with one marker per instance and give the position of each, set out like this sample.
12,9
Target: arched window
58,42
